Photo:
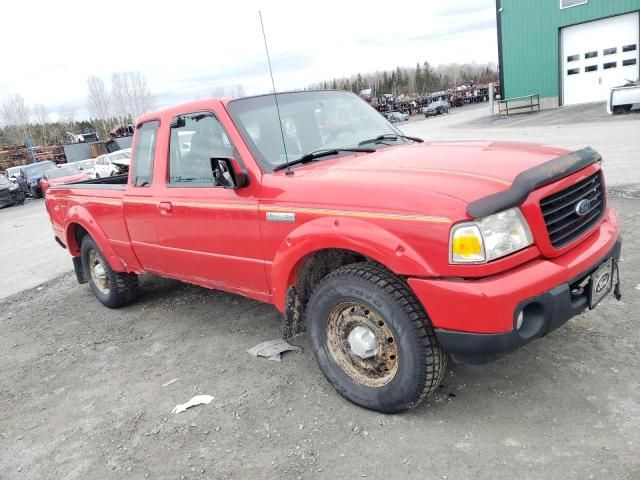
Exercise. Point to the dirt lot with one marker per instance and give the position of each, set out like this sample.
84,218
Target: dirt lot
27,249
82,396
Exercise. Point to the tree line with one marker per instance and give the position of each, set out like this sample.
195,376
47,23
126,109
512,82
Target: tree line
420,80
127,98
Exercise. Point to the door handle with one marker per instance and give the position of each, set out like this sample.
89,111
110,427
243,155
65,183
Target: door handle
164,207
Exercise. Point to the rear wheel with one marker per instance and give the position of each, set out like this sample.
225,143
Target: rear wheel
373,340
113,289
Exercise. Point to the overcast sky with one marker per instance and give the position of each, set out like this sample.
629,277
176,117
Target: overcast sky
187,48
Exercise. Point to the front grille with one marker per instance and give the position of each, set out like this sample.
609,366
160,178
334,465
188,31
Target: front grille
563,223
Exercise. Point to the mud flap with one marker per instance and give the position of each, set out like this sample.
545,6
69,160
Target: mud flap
77,267
293,315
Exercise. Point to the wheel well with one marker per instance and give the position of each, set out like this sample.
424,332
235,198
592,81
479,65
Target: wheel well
309,272
318,265
78,232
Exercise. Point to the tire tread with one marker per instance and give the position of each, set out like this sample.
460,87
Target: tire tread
397,288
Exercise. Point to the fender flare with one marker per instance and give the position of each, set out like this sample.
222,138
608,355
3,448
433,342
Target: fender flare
359,236
78,215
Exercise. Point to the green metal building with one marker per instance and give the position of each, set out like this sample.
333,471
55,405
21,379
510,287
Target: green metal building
567,51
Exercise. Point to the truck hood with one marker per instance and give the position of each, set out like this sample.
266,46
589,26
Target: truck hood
415,178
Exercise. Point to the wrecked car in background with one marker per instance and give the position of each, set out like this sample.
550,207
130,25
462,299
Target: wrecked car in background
31,175
10,193
625,98
393,254
439,107
12,174
63,174
110,164
395,117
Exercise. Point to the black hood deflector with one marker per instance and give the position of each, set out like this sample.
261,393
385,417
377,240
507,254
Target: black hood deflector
531,179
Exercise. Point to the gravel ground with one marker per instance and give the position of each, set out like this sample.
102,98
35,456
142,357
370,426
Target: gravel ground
82,395
27,248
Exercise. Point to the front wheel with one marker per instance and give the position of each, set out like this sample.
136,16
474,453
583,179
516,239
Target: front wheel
372,339
113,289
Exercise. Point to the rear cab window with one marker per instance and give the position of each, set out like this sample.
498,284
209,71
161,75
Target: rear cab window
144,153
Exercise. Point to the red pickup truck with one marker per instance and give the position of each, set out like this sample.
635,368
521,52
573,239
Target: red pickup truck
391,253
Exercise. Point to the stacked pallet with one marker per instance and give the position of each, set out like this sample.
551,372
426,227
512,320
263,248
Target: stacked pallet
15,156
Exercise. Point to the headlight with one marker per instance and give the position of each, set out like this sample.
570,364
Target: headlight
490,237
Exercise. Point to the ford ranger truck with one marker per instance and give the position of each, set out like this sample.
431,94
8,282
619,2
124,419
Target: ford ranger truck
393,254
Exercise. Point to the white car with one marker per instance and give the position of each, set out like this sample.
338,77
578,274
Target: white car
394,117
88,166
116,163
12,174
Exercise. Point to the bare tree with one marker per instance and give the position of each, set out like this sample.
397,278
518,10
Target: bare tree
15,113
141,98
41,116
99,101
120,96
131,95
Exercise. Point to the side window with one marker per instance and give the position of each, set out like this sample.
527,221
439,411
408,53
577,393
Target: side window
196,138
143,154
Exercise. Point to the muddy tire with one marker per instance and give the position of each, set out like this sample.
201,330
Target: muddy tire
113,289
373,340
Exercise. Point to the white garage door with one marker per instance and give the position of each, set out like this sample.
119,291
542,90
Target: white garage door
599,55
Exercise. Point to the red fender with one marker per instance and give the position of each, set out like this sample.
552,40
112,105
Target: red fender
80,216
351,234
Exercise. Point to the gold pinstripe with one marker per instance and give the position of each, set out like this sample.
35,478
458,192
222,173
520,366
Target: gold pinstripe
277,208
502,181
357,214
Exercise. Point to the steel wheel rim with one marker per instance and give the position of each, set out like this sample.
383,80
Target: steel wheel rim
381,366
98,272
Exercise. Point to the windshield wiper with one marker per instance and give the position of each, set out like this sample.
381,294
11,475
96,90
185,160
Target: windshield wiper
390,136
325,152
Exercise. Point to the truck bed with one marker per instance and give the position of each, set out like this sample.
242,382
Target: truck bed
117,182
77,202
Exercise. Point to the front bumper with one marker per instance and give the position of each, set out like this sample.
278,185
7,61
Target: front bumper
545,313
475,320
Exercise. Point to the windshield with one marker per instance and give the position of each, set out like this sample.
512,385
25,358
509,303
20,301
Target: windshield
38,168
65,171
4,181
88,163
311,121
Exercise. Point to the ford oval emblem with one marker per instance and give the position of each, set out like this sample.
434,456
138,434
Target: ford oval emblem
583,207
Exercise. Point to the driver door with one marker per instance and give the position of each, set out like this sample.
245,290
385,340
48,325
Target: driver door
210,232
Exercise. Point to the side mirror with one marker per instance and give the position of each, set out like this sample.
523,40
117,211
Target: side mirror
178,122
229,172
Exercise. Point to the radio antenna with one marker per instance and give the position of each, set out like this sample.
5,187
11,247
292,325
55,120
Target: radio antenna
275,96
